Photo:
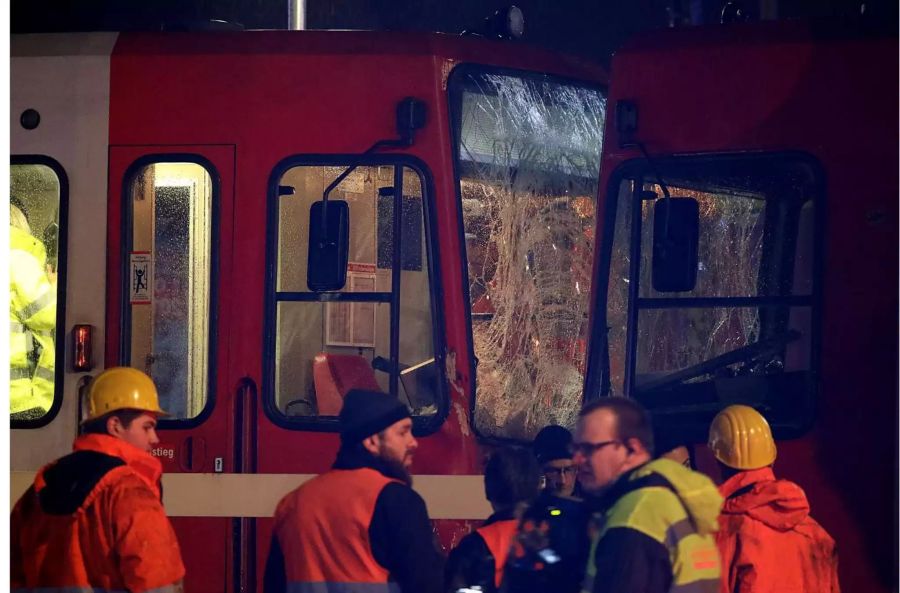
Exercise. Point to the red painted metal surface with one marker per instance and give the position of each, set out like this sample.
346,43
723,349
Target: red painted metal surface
262,97
786,86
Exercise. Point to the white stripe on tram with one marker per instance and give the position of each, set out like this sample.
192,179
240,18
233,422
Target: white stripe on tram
256,495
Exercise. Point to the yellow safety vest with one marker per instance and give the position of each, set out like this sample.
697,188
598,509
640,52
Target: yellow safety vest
682,518
32,313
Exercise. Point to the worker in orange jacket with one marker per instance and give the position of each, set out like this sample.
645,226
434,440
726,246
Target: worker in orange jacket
94,520
511,480
767,540
359,526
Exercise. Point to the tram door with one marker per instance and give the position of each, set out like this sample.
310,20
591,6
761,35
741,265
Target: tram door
169,273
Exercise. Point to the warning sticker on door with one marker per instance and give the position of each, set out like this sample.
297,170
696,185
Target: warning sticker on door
141,281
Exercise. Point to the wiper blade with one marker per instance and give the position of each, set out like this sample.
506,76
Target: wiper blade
742,354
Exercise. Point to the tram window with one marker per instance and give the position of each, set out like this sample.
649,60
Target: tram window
36,198
323,347
169,279
528,158
745,333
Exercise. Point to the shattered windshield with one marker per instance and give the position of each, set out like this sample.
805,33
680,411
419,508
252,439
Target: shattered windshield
746,332
528,158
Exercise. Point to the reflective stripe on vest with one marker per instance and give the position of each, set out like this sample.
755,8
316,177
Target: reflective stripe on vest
498,537
16,327
343,588
45,374
28,311
19,373
658,513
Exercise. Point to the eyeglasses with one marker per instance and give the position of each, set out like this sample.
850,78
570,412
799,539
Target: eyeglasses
561,471
588,449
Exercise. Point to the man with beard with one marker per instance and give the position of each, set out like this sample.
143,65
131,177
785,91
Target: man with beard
656,530
359,526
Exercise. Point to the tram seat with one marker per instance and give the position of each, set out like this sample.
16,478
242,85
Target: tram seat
336,374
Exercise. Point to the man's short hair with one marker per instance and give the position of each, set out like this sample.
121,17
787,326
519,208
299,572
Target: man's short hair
98,425
511,476
632,419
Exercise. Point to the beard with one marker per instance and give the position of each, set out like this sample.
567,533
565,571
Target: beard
393,467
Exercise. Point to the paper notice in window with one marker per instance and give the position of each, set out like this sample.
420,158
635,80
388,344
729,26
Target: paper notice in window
141,278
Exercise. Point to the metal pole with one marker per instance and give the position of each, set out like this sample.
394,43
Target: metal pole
296,15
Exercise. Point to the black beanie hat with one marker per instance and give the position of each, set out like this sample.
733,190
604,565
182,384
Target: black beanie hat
552,442
365,413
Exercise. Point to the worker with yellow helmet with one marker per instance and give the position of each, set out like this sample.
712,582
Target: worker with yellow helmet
94,520
767,540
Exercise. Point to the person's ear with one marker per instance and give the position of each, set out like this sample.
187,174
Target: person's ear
634,445
370,444
114,426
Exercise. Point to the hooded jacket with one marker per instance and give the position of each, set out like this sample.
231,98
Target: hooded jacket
768,541
656,535
94,520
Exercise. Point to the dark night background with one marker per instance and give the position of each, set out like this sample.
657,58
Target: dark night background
590,28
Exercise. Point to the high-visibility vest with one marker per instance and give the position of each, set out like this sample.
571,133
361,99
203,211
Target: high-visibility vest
498,537
323,530
32,310
660,513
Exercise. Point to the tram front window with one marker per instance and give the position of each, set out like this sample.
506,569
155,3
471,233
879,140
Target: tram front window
34,219
746,333
527,151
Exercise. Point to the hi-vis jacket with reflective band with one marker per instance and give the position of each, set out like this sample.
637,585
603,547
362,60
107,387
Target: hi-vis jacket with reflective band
768,541
93,521
657,533
323,530
32,315
498,537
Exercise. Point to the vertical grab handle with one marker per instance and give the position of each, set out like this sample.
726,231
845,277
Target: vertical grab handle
245,458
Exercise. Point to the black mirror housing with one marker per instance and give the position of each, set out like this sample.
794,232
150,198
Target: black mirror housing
329,245
676,235
411,114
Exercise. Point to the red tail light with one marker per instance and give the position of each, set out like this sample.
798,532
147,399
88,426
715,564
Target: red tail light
84,343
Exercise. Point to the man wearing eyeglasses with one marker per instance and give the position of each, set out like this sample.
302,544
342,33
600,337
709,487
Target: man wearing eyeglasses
553,451
655,532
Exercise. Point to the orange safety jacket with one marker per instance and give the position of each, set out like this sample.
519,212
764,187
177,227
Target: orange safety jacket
768,541
322,528
498,537
93,520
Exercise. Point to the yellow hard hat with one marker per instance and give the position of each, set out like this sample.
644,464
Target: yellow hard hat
121,388
740,438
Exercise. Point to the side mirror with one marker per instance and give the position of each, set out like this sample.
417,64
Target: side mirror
411,114
676,234
329,245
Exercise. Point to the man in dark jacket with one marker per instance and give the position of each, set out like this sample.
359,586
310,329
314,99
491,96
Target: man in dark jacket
655,533
553,449
359,526
510,483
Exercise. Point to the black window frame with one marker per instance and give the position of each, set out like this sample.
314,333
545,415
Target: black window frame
127,229
454,112
597,382
62,255
422,425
